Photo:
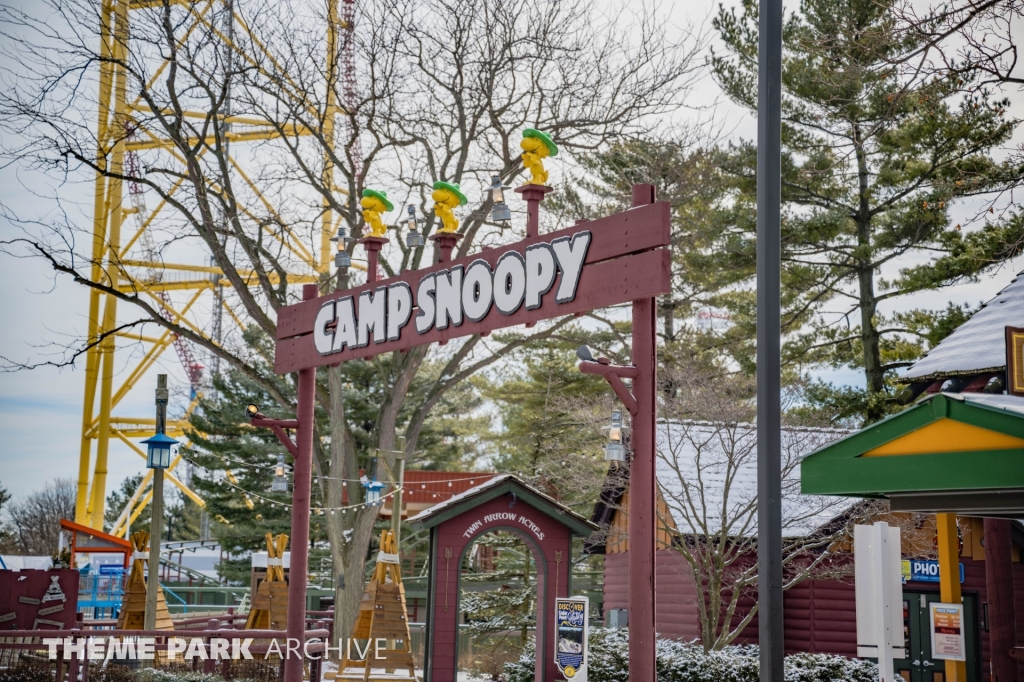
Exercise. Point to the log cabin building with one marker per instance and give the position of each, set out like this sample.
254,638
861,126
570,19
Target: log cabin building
819,612
972,366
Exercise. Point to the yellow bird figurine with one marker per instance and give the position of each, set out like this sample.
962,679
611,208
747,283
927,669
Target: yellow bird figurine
537,146
447,196
374,203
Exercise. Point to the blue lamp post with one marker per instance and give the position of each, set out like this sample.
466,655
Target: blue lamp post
159,453
373,489
158,458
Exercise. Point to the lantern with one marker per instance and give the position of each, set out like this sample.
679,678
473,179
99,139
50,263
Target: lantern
500,212
341,258
614,450
372,488
414,239
280,482
158,455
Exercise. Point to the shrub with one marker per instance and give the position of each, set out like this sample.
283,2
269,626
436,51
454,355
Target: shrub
687,662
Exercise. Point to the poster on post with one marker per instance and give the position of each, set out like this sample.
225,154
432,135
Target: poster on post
571,615
947,628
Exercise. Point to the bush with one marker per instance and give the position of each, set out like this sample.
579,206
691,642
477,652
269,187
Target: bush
687,662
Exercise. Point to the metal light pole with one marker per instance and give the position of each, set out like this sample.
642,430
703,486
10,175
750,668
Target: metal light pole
769,313
157,522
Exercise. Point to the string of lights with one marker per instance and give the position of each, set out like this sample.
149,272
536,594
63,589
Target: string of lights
423,485
230,482
285,505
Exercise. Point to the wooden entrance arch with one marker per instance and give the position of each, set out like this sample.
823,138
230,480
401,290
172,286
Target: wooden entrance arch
502,503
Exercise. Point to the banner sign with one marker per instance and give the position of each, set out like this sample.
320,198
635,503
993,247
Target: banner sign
592,265
947,628
924,571
571,616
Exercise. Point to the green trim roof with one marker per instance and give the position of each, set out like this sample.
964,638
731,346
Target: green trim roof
496,487
839,468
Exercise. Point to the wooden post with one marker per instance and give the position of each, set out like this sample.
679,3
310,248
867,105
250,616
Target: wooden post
157,518
1001,611
949,580
445,241
534,194
642,485
301,492
210,664
373,246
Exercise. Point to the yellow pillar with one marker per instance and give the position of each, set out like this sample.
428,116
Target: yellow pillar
99,236
949,580
97,501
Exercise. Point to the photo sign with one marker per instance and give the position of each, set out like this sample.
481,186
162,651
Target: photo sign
947,628
591,265
571,617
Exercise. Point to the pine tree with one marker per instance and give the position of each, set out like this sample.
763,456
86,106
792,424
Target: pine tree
876,149
117,500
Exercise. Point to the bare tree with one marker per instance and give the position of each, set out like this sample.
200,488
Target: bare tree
972,38
35,520
707,476
443,89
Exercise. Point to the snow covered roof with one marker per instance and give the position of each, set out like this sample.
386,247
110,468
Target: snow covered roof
979,344
707,473
1010,403
456,499
500,485
13,562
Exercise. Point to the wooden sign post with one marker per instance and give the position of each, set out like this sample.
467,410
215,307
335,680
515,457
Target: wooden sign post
596,264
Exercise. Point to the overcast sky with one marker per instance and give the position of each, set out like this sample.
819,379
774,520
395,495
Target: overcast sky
40,410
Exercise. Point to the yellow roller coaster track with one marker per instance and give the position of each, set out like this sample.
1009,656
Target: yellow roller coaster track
110,254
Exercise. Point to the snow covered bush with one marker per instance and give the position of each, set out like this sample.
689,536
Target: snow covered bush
679,662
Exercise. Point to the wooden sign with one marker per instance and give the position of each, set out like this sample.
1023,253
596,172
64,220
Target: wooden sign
34,596
572,271
1015,360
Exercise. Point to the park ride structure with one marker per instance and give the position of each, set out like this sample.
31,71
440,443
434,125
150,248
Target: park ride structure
125,256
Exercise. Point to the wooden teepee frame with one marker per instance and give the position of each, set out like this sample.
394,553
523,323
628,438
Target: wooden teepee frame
270,605
382,615
133,604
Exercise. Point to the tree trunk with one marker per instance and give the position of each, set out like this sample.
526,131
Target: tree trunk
869,332
873,373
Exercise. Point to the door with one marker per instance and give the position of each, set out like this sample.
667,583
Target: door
920,666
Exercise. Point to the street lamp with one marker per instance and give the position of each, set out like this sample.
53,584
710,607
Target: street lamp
280,483
614,450
414,239
158,455
500,212
158,458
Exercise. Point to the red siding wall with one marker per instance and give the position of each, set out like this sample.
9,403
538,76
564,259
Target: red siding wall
820,615
675,612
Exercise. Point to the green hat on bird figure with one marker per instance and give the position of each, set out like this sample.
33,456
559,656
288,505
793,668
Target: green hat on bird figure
452,187
382,196
543,137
